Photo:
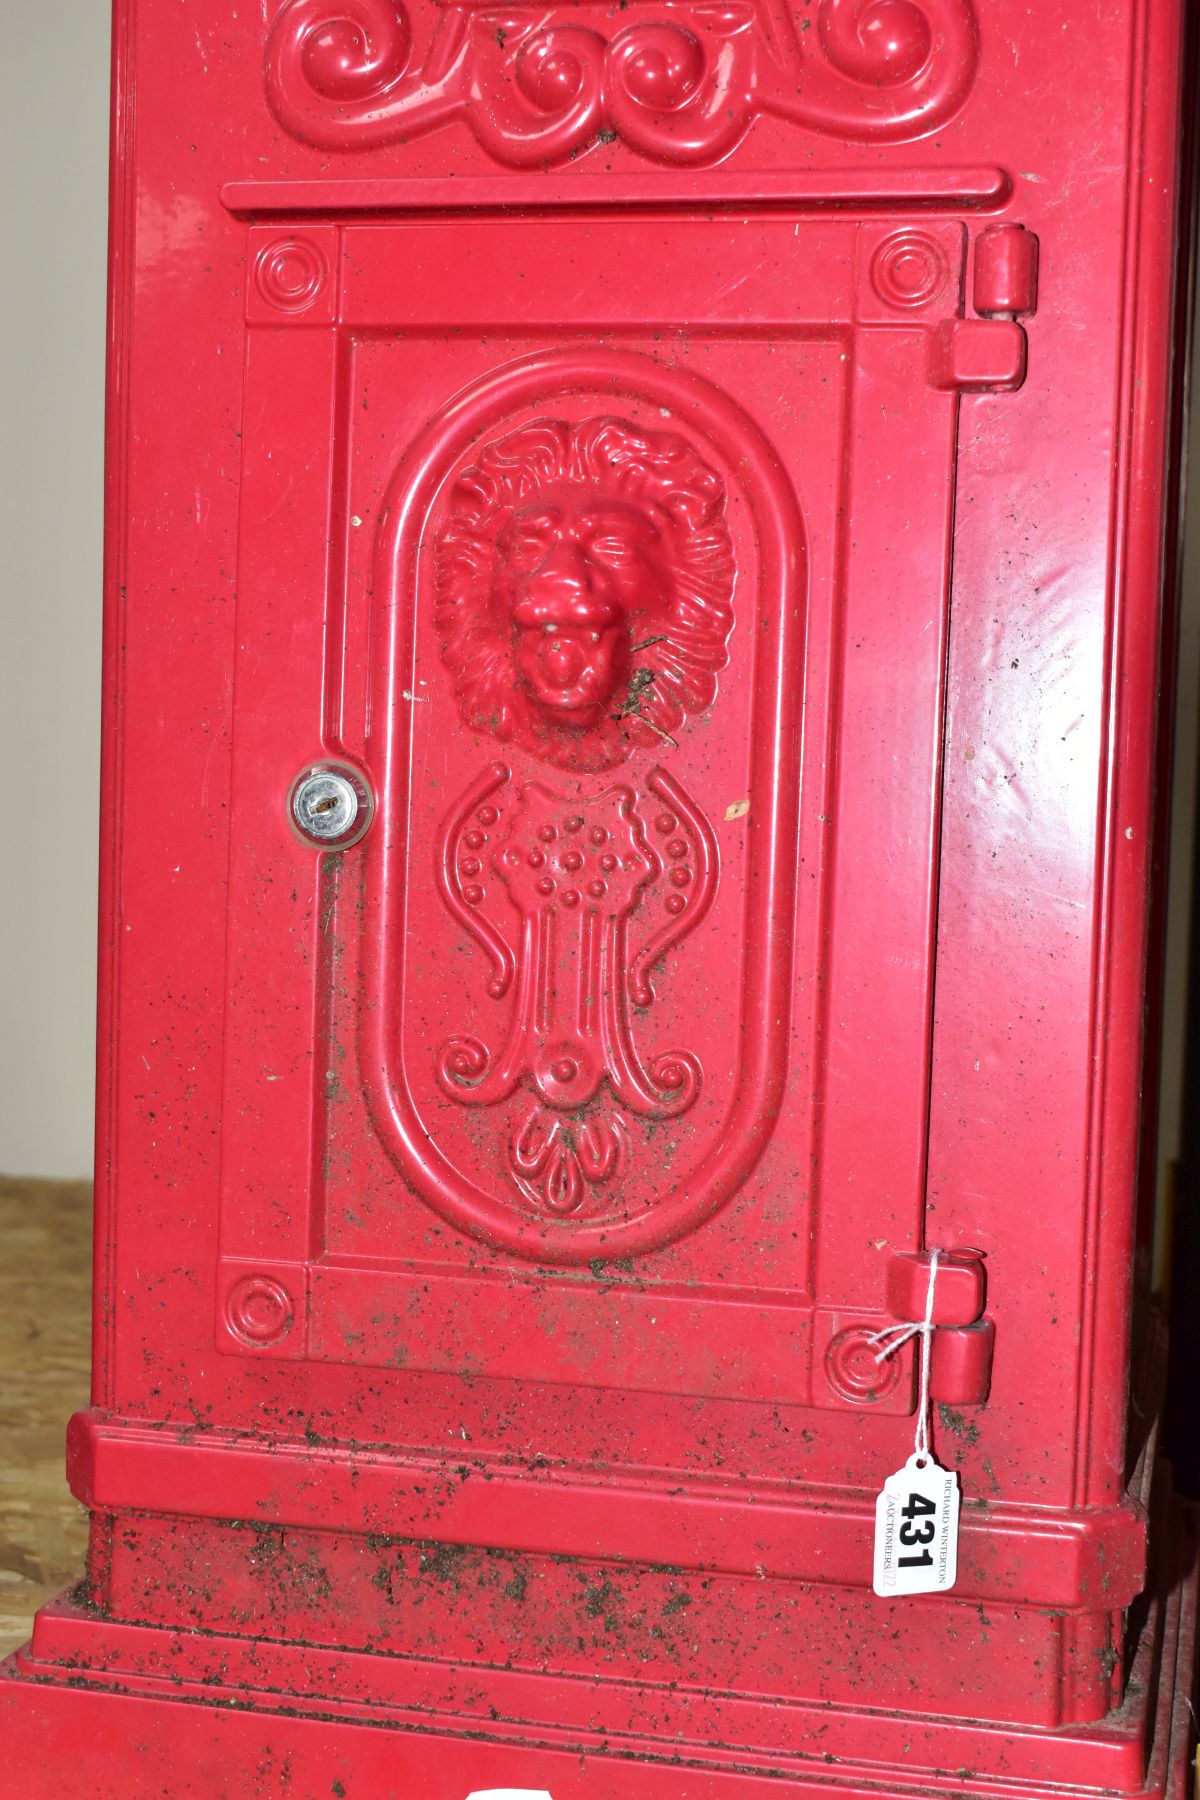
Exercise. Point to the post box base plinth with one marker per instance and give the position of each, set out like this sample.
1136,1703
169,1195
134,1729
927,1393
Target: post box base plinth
80,1724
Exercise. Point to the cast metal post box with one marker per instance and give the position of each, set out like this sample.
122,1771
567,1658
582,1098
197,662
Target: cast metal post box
633,621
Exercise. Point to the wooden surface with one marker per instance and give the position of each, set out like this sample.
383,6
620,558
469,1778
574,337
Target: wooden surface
45,1307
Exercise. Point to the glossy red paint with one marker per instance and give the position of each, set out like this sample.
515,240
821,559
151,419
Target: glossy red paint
675,497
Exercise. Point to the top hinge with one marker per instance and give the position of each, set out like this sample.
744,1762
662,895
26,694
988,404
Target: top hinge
989,354
1006,272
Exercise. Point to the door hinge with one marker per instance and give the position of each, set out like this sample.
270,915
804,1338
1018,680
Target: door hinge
989,354
960,1365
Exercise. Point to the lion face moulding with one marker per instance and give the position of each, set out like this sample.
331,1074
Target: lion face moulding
573,559
572,553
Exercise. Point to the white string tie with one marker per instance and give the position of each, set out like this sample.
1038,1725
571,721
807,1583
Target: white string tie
894,1337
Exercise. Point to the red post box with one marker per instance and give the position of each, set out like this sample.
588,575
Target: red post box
633,625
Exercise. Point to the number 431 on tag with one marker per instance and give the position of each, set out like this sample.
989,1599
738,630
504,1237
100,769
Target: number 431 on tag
916,1530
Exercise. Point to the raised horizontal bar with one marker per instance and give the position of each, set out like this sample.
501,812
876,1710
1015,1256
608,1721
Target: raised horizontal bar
644,1342
911,189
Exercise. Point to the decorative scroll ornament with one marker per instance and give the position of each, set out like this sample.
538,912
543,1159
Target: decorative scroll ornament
577,874
538,86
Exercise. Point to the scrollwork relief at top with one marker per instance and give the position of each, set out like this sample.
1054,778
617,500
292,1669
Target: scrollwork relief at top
678,82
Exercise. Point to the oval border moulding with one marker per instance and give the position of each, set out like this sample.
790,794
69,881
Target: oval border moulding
762,1032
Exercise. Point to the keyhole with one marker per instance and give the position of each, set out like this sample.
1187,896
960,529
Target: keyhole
331,805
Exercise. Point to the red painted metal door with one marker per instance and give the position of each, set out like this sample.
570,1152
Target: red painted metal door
617,577
583,989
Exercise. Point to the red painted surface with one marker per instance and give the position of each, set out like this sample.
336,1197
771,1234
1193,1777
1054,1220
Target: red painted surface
697,476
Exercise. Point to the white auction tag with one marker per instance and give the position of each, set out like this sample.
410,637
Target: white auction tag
916,1530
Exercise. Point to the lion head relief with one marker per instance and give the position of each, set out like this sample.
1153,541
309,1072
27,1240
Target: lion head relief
584,588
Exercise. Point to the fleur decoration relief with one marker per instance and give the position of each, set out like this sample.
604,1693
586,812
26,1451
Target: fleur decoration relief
584,600
679,83
574,873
